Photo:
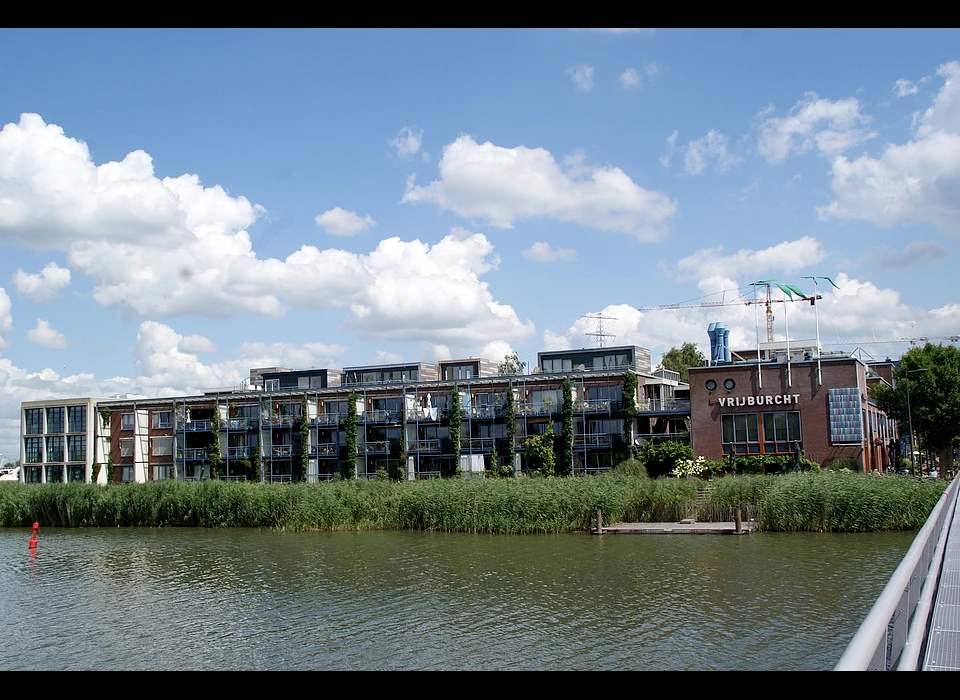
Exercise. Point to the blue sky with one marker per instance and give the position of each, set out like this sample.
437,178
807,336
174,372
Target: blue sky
178,206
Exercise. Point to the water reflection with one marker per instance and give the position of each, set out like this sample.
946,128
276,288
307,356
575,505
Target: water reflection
248,599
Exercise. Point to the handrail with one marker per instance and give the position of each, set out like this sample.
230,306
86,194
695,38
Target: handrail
898,601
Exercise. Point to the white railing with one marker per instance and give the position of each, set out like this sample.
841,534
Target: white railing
895,629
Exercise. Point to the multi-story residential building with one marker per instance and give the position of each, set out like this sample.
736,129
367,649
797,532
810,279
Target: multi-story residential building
58,440
292,427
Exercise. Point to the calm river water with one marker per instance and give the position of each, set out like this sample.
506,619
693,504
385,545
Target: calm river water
249,599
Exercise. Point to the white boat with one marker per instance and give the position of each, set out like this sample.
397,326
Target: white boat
10,474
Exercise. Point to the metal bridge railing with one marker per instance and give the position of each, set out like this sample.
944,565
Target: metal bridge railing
894,632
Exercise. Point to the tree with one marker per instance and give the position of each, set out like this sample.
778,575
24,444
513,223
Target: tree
455,431
934,397
565,451
680,359
629,411
540,459
350,430
511,416
511,365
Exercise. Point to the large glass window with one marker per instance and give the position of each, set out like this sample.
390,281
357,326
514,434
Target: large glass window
126,421
76,448
76,473
55,449
33,447
54,474
126,447
162,419
162,446
740,433
76,419
32,475
55,420
780,431
161,471
34,419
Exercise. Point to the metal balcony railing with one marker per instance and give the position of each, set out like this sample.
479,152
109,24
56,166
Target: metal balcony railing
280,421
535,409
327,449
484,411
596,406
239,424
239,452
381,416
661,405
193,454
593,440
374,447
282,450
327,419
477,444
431,413
425,446
194,426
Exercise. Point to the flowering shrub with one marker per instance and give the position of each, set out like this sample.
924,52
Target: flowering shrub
691,467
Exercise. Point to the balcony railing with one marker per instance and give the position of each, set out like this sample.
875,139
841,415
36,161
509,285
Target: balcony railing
662,405
477,444
663,437
425,446
327,449
431,413
239,424
593,440
194,426
381,416
193,454
535,409
280,421
239,452
485,411
596,406
327,419
282,450
374,447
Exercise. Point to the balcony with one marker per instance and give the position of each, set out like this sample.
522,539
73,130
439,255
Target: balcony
477,444
535,409
381,416
374,447
596,406
240,424
194,426
425,447
327,449
282,450
193,454
328,419
593,440
485,411
281,421
432,413
240,452
668,405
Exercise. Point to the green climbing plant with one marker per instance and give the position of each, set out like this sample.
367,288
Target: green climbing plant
454,431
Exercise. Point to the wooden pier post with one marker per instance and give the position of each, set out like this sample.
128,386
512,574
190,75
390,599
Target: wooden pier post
599,529
738,521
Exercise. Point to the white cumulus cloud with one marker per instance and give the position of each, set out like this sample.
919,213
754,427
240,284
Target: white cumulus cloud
407,142
46,337
910,183
6,317
814,123
582,77
174,247
196,344
712,147
788,256
541,251
340,222
905,87
630,78
45,285
504,185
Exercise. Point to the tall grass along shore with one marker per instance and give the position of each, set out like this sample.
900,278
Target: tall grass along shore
816,502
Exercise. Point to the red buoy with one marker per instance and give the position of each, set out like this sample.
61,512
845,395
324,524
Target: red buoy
33,540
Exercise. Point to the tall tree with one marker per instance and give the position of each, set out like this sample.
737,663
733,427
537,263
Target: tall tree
511,416
511,365
682,358
539,453
629,411
455,430
350,428
934,397
565,452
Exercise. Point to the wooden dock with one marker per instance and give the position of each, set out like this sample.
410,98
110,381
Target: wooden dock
684,528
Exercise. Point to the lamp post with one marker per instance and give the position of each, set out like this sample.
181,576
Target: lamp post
906,381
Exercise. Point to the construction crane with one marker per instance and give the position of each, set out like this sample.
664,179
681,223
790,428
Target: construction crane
912,341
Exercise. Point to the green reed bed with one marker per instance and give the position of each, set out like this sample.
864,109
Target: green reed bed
822,501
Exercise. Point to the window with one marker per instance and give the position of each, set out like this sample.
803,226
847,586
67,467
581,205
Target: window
161,446
161,471
609,361
76,473
126,447
55,474
317,382
740,433
55,449
558,365
55,420
126,421
32,475
33,449
780,431
76,448
76,419
34,420
729,384
271,385
711,384
162,419
126,474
